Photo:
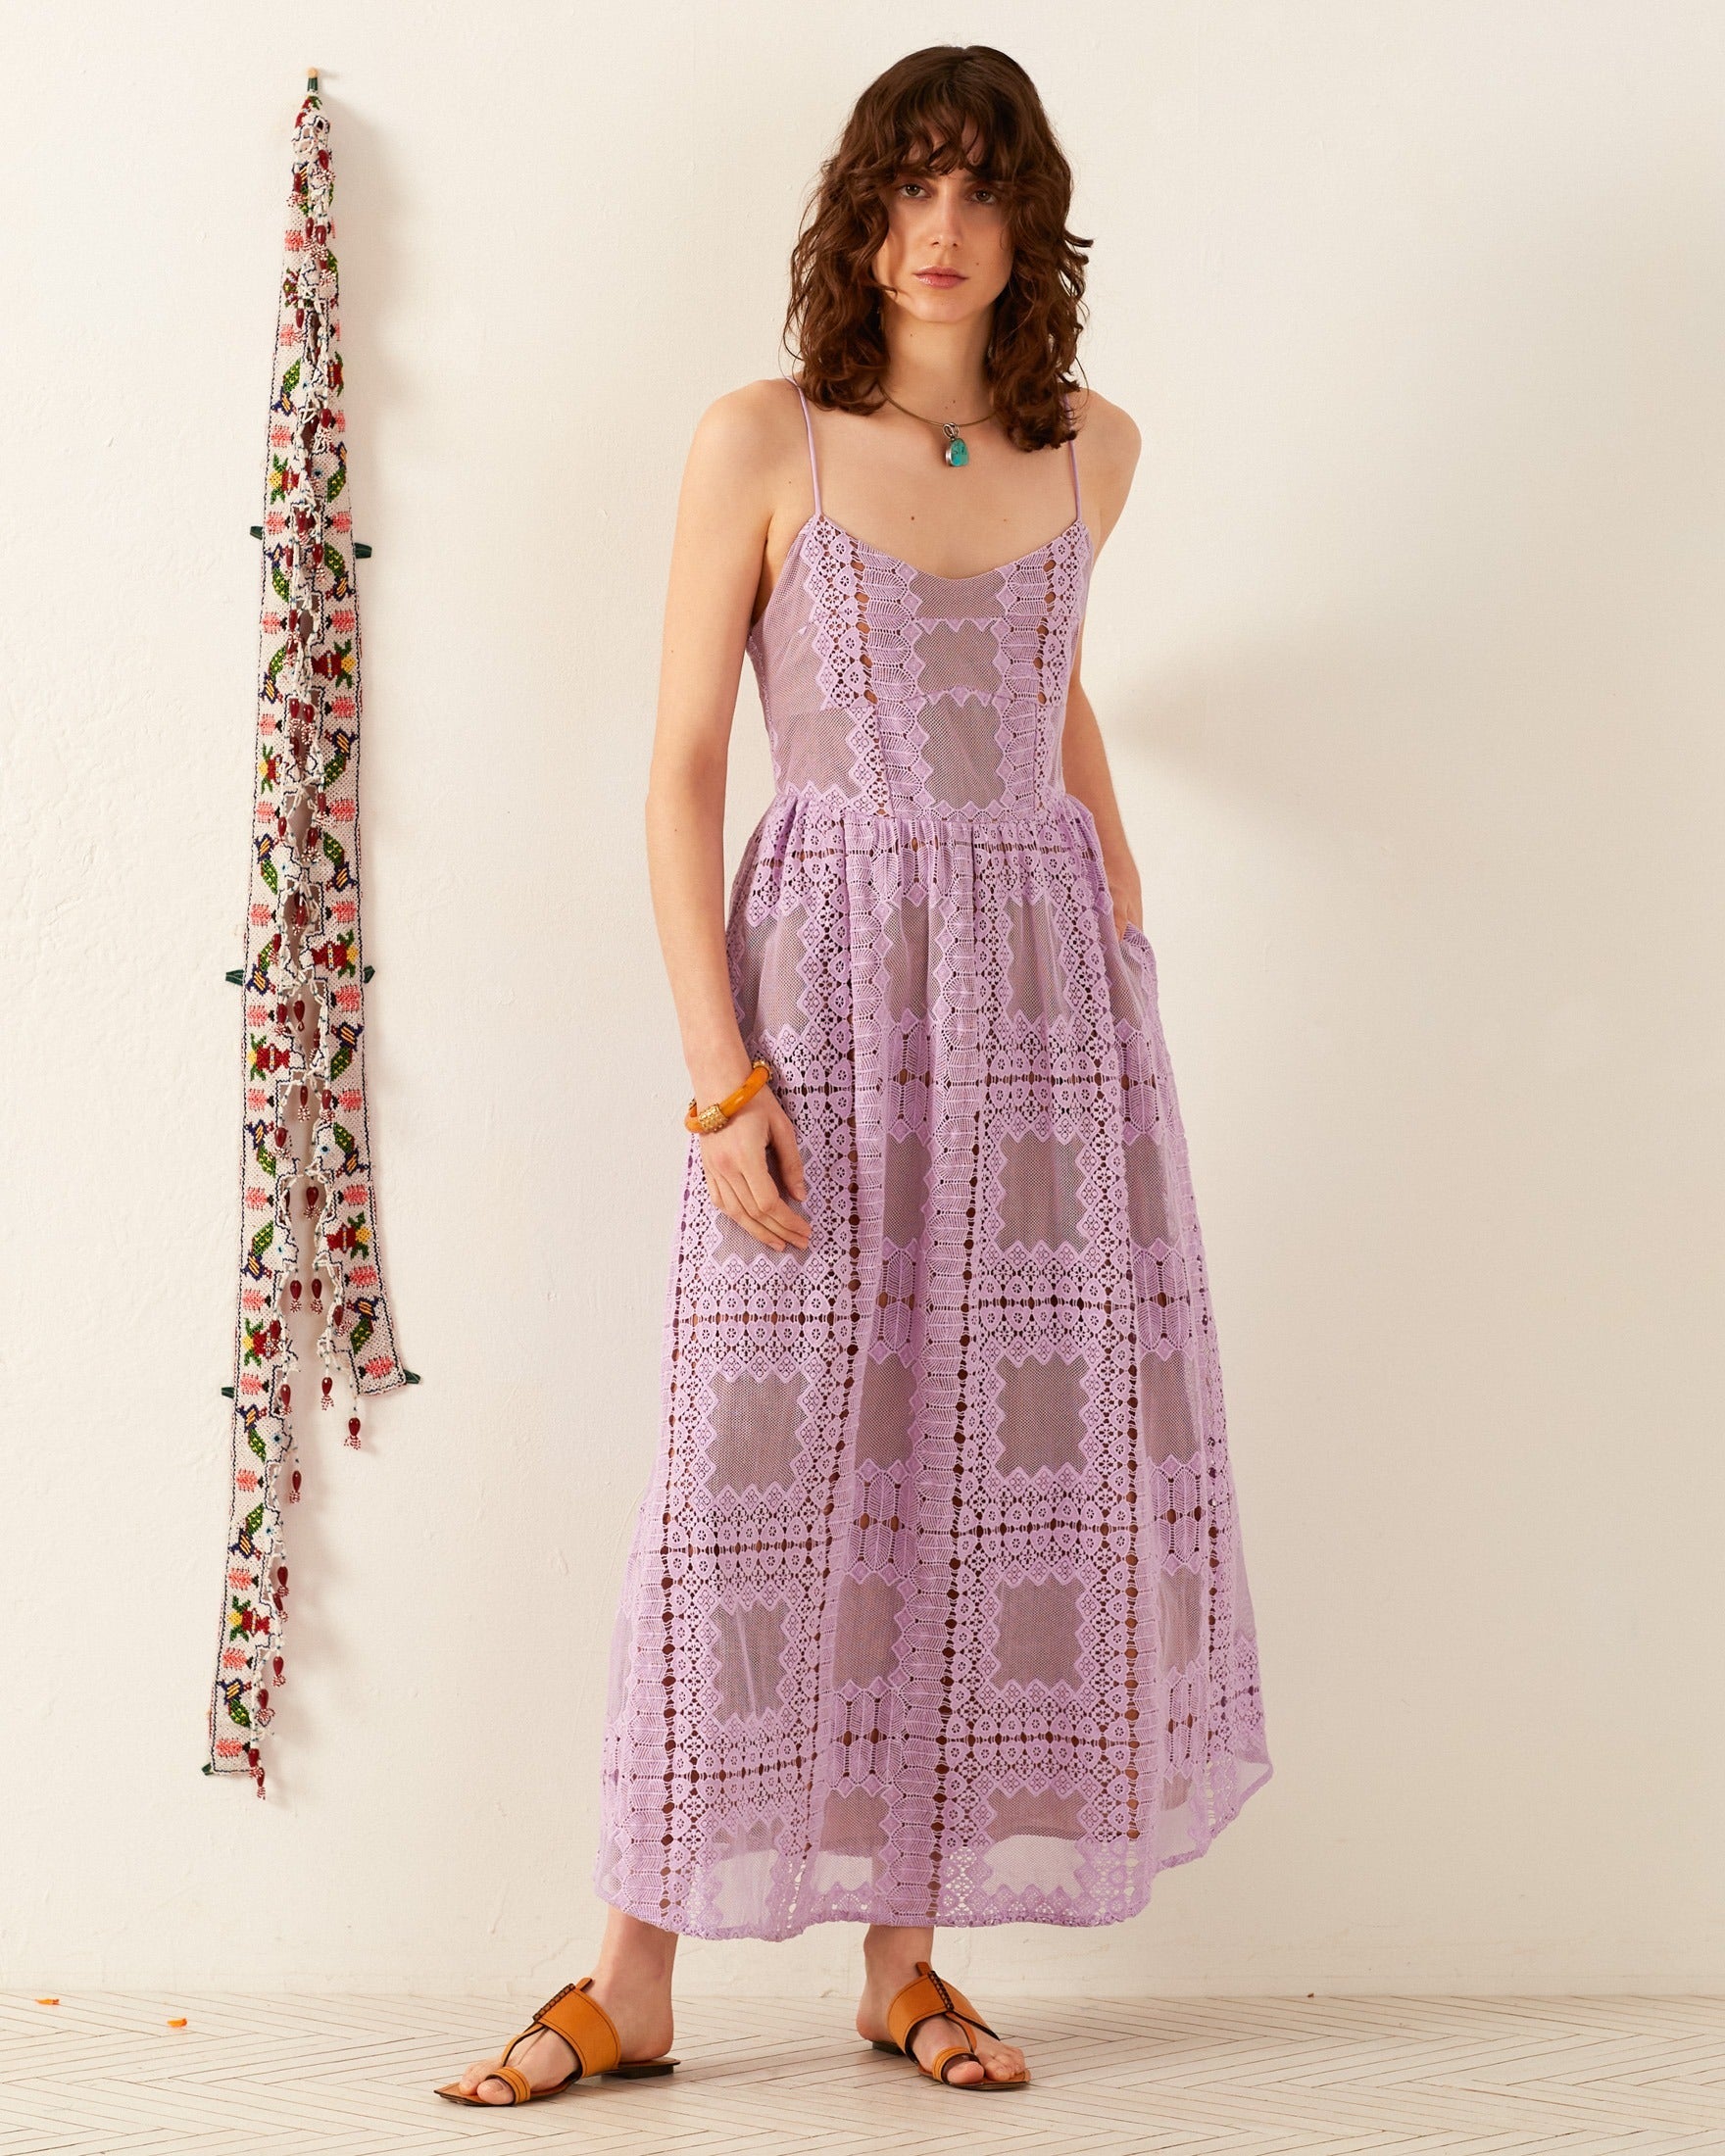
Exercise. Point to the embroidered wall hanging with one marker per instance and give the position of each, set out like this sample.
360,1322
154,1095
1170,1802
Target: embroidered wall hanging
305,1150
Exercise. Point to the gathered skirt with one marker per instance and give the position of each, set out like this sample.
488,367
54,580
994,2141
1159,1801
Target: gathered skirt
936,1609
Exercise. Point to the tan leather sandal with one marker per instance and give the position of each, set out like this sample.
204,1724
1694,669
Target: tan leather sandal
925,1997
588,2030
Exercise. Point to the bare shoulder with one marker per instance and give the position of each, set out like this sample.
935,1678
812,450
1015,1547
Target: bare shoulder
743,430
1109,445
747,467
1108,431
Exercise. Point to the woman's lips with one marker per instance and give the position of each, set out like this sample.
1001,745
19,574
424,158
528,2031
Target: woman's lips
940,277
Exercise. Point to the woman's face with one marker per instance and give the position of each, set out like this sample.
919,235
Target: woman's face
946,256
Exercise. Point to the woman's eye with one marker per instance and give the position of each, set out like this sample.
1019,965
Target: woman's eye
986,195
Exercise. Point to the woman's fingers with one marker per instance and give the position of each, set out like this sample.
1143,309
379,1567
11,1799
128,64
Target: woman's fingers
769,1206
735,1205
790,1161
774,1224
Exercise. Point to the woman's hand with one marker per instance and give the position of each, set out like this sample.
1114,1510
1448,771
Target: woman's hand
740,1182
1126,893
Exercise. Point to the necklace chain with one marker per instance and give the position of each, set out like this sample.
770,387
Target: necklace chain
958,449
946,426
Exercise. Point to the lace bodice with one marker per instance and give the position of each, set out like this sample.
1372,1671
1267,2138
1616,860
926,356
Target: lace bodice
890,690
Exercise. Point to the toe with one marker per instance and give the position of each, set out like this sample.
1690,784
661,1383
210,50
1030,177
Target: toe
964,2070
480,2082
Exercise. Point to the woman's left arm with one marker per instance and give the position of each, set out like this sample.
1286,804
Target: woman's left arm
1109,445
1085,762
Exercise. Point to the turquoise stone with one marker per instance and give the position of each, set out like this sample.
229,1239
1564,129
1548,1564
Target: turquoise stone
957,450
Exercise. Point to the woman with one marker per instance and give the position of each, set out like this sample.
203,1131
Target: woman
936,1612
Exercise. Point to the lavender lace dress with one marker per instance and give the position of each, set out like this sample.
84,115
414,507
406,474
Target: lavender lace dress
936,1610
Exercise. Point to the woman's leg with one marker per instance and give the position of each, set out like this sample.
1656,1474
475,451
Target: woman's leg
631,1980
890,1954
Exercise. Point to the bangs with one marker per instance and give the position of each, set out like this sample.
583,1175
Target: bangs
943,130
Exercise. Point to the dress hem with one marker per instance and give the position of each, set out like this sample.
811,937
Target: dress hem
1265,1773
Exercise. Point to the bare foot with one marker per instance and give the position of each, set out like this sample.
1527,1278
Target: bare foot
631,1982
890,1954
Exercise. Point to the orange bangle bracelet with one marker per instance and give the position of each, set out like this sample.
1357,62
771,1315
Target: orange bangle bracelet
719,1112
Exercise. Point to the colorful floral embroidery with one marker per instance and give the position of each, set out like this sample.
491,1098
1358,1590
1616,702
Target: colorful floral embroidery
305,1158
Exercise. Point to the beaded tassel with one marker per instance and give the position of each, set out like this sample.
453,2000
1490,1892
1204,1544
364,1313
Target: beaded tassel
306,1155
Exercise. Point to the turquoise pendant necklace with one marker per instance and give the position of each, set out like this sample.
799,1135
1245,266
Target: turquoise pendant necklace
957,450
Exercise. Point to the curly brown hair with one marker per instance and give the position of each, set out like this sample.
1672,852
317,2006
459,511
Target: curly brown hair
914,119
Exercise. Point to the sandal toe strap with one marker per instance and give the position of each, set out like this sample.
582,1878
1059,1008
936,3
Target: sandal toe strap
519,2087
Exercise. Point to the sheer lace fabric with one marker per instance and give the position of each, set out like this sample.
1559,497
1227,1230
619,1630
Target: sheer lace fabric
936,1609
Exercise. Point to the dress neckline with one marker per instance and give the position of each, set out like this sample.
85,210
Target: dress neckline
928,576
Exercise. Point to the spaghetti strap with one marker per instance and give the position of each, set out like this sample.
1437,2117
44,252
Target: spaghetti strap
809,428
1072,446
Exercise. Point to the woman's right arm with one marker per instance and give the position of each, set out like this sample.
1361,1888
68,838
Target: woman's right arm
723,510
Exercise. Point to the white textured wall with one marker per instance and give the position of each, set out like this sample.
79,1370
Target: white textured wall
1409,652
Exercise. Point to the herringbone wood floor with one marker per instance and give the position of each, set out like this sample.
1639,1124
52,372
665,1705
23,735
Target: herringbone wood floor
105,2075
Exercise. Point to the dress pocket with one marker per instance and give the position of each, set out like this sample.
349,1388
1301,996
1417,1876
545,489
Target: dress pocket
1133,939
